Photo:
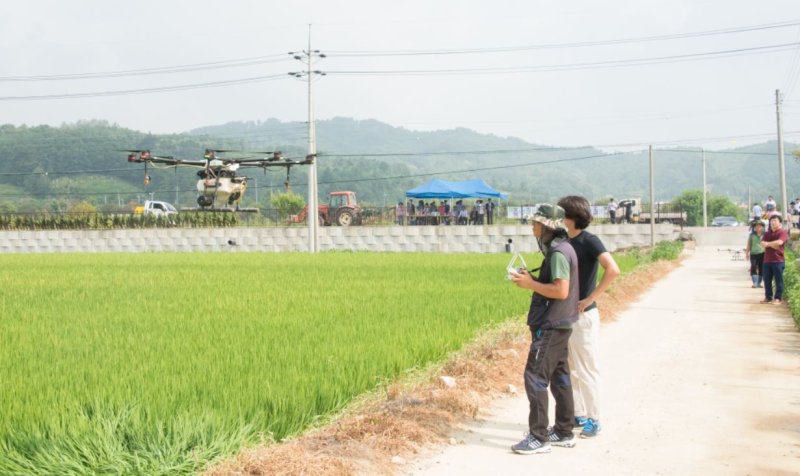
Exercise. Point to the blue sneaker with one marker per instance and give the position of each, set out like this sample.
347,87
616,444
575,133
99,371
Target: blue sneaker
580,421
530,445
590,429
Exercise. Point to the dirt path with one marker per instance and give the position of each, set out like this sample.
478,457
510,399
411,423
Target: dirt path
698,378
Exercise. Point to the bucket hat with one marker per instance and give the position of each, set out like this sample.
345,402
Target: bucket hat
551,216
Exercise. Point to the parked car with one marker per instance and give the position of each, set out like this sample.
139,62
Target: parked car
724,221
154,207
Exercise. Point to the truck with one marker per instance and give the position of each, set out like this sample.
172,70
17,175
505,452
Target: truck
156,208
677,218
664,213
342,209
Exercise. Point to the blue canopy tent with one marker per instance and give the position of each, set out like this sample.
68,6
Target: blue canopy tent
445,189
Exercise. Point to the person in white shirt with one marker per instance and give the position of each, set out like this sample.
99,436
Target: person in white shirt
612,211
770,204
757,211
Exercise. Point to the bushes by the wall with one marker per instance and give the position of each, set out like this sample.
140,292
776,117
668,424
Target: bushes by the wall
791,284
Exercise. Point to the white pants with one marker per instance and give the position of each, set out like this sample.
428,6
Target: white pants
584,365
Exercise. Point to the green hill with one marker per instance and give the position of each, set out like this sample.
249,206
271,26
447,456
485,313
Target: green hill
48,168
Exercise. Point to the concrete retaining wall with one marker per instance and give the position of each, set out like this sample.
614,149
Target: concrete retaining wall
444,239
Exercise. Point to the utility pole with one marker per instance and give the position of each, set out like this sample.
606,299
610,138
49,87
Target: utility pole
781,165
705,191
308,57
652,202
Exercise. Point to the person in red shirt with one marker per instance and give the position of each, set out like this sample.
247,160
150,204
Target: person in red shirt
774,240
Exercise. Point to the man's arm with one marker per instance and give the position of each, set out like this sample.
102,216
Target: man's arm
610,273
775,243
558,289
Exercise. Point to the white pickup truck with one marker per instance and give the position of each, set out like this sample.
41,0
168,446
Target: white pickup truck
154,207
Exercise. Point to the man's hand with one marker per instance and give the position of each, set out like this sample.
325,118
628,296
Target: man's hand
584,303
522,279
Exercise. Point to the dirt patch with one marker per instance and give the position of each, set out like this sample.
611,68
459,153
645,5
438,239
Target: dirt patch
381,431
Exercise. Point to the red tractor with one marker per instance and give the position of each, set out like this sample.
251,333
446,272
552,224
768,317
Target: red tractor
342,209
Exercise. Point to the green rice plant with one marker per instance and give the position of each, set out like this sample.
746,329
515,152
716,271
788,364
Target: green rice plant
159,363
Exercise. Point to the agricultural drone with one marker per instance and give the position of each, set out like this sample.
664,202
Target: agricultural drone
219,188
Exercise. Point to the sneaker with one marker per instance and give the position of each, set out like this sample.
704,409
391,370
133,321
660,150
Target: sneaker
530,445
591,429
777,301
765,301
580,421
557,440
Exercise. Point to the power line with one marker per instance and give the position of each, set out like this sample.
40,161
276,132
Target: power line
794,72
669,142
182,87
461,152
407,176
493,70
281,57
507,49
480,169
234,63
371,179
579,66
73,172
55,138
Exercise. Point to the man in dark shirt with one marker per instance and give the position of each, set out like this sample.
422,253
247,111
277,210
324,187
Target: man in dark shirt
773,240
584,344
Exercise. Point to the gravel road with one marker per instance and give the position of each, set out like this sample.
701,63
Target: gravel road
698,378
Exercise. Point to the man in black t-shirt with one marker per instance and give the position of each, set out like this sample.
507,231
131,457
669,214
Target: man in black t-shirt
585,339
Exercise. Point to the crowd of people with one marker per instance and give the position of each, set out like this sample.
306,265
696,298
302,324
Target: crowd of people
792,215
564,325
429,213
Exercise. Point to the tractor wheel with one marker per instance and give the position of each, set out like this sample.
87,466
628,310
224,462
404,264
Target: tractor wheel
345,218
320,220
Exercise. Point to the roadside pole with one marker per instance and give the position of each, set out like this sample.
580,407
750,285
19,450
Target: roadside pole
781,164
652,202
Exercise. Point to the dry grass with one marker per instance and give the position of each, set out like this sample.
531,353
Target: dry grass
379,432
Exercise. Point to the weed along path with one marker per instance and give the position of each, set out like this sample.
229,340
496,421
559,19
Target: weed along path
697,378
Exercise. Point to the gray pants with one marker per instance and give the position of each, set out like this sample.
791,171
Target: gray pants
547,366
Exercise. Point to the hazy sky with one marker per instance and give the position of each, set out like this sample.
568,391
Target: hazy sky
548,71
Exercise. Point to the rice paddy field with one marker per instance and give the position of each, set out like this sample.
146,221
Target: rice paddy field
161,363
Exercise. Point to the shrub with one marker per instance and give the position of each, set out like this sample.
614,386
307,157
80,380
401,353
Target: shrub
791,284
667,250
